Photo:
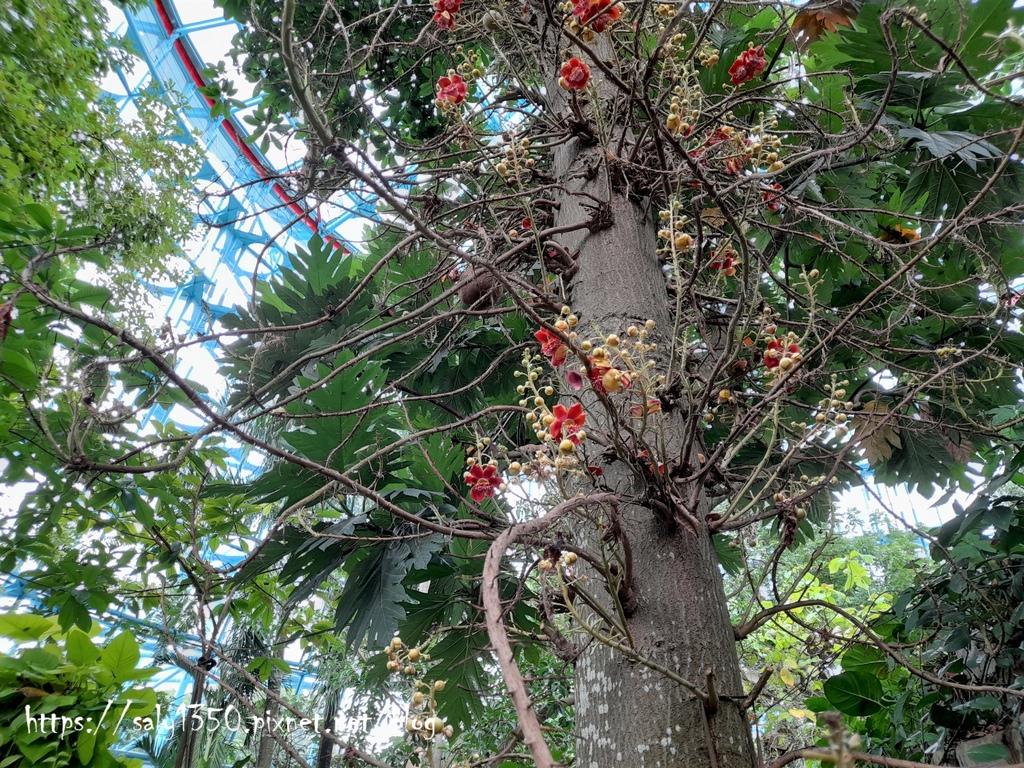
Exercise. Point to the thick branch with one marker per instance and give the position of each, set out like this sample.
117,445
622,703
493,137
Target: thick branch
532,736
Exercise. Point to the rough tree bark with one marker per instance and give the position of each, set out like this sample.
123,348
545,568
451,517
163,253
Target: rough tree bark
627,714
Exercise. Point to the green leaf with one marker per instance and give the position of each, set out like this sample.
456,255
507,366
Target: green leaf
371,603
80,649
459,660
854,693
93,295
988,753
41,215
864,658
729,557
986,19
817,704
121,656
40,660
26,627
18,368
86,746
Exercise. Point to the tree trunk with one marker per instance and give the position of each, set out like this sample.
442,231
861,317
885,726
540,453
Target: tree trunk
187,745
628,714
325,750
271,709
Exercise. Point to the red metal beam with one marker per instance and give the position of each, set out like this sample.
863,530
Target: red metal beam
307,217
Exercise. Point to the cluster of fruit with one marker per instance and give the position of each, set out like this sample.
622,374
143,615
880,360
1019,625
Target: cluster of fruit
515,160
832,409
422,721
687,102
568,559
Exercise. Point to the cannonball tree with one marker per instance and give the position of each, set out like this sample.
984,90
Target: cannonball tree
645,281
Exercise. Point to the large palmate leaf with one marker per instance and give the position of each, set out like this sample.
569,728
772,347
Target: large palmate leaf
316,291
371,605
458,660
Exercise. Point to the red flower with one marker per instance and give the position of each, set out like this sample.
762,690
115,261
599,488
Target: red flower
604,378
451,90
772,199
776,351
484,481
568,421
713,138
747,66
593,12
717,137
725,260
445,13
575,75
653,406
527,222
551,346
650,465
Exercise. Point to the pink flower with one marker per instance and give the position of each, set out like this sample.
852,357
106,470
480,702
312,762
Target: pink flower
484,481
653,406
575,75
451,90
568,421
604,378
574,379
551,346
747,66
593,12
444,16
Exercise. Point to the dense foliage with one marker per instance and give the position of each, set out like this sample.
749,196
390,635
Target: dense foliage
820,212
62,698
64,145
